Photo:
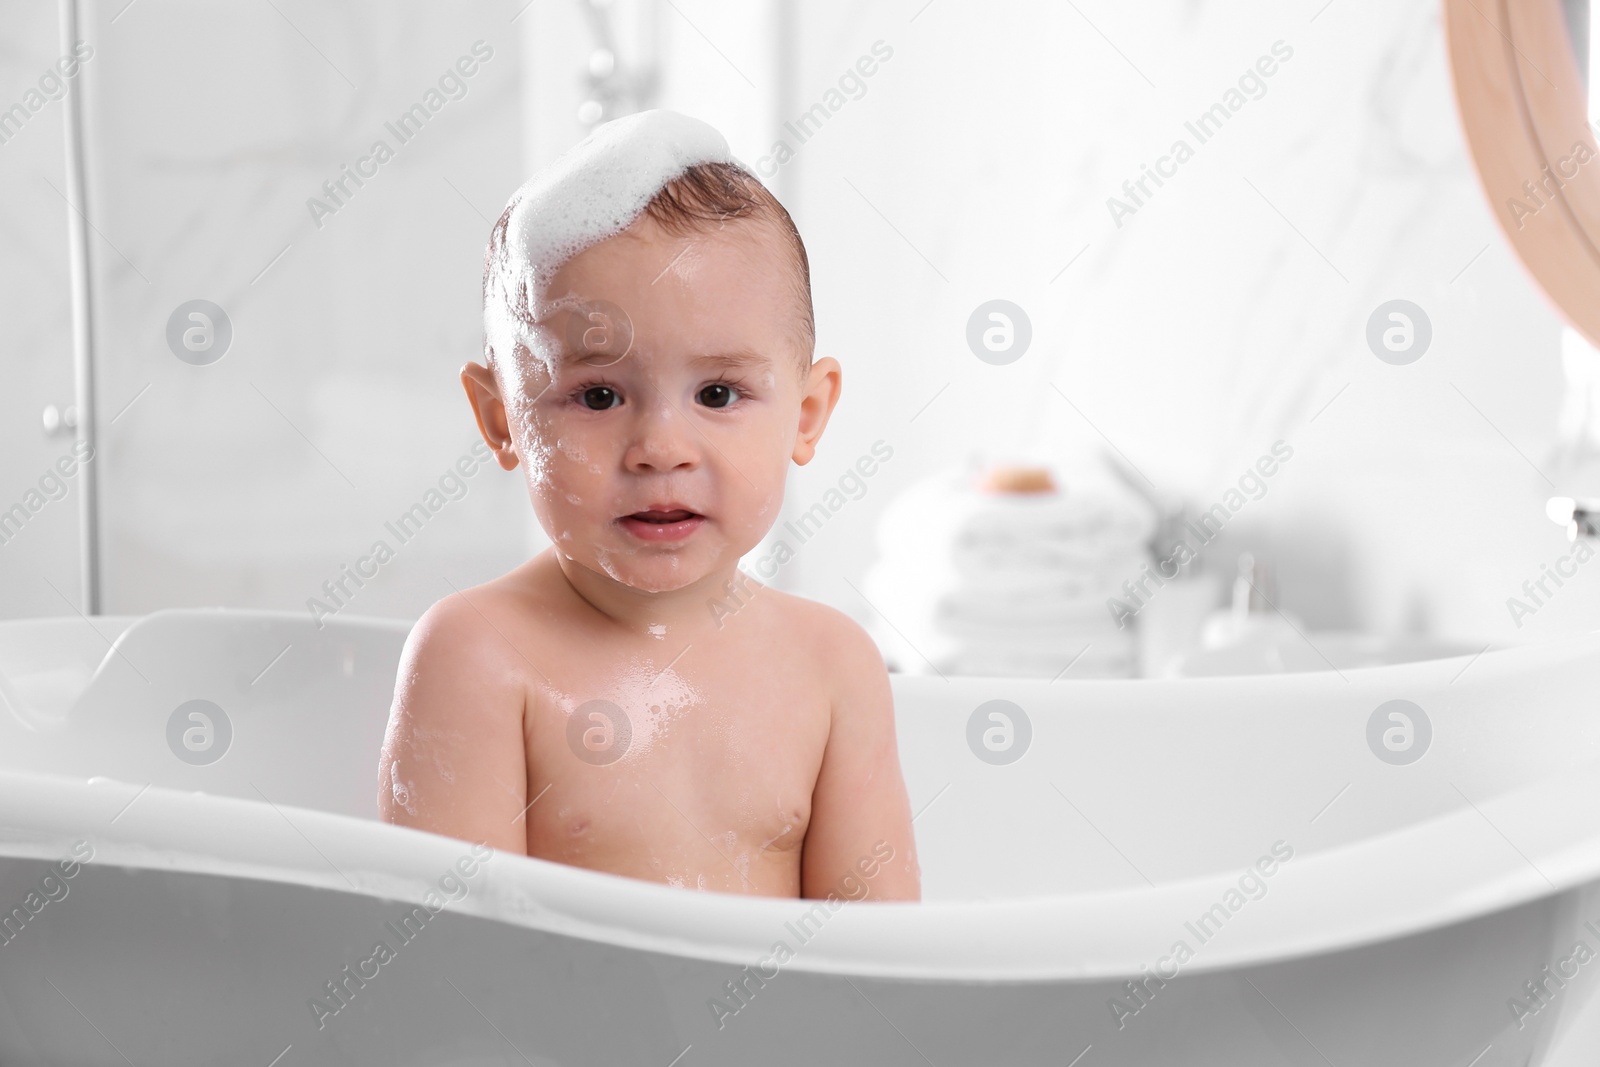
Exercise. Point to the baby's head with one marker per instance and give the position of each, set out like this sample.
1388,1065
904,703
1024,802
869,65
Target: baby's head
649,334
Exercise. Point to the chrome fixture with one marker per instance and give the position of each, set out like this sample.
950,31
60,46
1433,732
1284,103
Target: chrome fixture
618,85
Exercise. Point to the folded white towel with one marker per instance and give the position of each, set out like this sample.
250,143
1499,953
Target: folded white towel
944,512
1012,665
1099,629
976,582
1113,656
1042,602
1042,557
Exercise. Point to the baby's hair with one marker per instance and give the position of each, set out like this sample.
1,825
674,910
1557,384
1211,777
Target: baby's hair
706,194
701,198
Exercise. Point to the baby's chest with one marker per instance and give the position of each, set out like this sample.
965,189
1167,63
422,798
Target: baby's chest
694,755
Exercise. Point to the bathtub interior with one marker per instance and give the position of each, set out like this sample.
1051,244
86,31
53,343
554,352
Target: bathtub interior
1123,783
304,707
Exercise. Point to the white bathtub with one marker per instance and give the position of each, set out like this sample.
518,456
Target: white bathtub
222,899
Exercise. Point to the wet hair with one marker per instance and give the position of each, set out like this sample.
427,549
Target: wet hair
700,199
706,194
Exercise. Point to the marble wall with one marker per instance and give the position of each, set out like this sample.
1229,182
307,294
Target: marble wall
257,477
1227,312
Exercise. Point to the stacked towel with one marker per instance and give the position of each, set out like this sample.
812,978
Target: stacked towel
972,581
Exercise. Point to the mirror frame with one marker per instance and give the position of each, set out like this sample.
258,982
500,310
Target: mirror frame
1524,110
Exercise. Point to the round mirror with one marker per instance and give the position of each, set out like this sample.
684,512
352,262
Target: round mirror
1520,76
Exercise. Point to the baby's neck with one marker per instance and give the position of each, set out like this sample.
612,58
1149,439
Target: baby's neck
697,606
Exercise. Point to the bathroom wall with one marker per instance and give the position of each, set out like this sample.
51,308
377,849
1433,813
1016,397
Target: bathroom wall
334,410
975,162
1228,312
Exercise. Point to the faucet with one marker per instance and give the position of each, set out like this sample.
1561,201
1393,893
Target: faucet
1581,517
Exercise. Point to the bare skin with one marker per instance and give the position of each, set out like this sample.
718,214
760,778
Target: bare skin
634,704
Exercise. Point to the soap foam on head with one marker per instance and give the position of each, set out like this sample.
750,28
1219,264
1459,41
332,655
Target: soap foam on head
593,191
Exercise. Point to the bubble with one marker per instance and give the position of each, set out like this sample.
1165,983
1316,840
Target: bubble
999,332
999,732
572,450
446,772
592,191
199,332
652,698
1399,732
602,557
399,790
1399,332
199,732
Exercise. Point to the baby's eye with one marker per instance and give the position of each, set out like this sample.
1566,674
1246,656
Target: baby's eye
600,397
717,395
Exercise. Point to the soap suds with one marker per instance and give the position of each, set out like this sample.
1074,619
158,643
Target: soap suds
591,192
602,558
400,791
651,699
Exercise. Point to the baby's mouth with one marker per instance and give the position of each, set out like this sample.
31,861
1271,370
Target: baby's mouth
662,524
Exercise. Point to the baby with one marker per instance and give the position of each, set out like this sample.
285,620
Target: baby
649,337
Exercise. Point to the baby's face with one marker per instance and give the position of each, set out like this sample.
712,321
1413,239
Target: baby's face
656,452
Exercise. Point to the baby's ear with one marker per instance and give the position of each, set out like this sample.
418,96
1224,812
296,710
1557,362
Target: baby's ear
819,395
483,393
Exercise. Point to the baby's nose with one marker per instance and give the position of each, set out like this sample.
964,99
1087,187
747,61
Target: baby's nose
662,438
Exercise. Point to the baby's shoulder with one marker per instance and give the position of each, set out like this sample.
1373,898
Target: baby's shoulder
831,636
836,654
482,626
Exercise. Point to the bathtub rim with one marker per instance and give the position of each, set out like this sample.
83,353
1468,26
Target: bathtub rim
938,941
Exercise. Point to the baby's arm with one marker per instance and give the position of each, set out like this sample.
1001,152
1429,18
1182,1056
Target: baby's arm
453,757
860,832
